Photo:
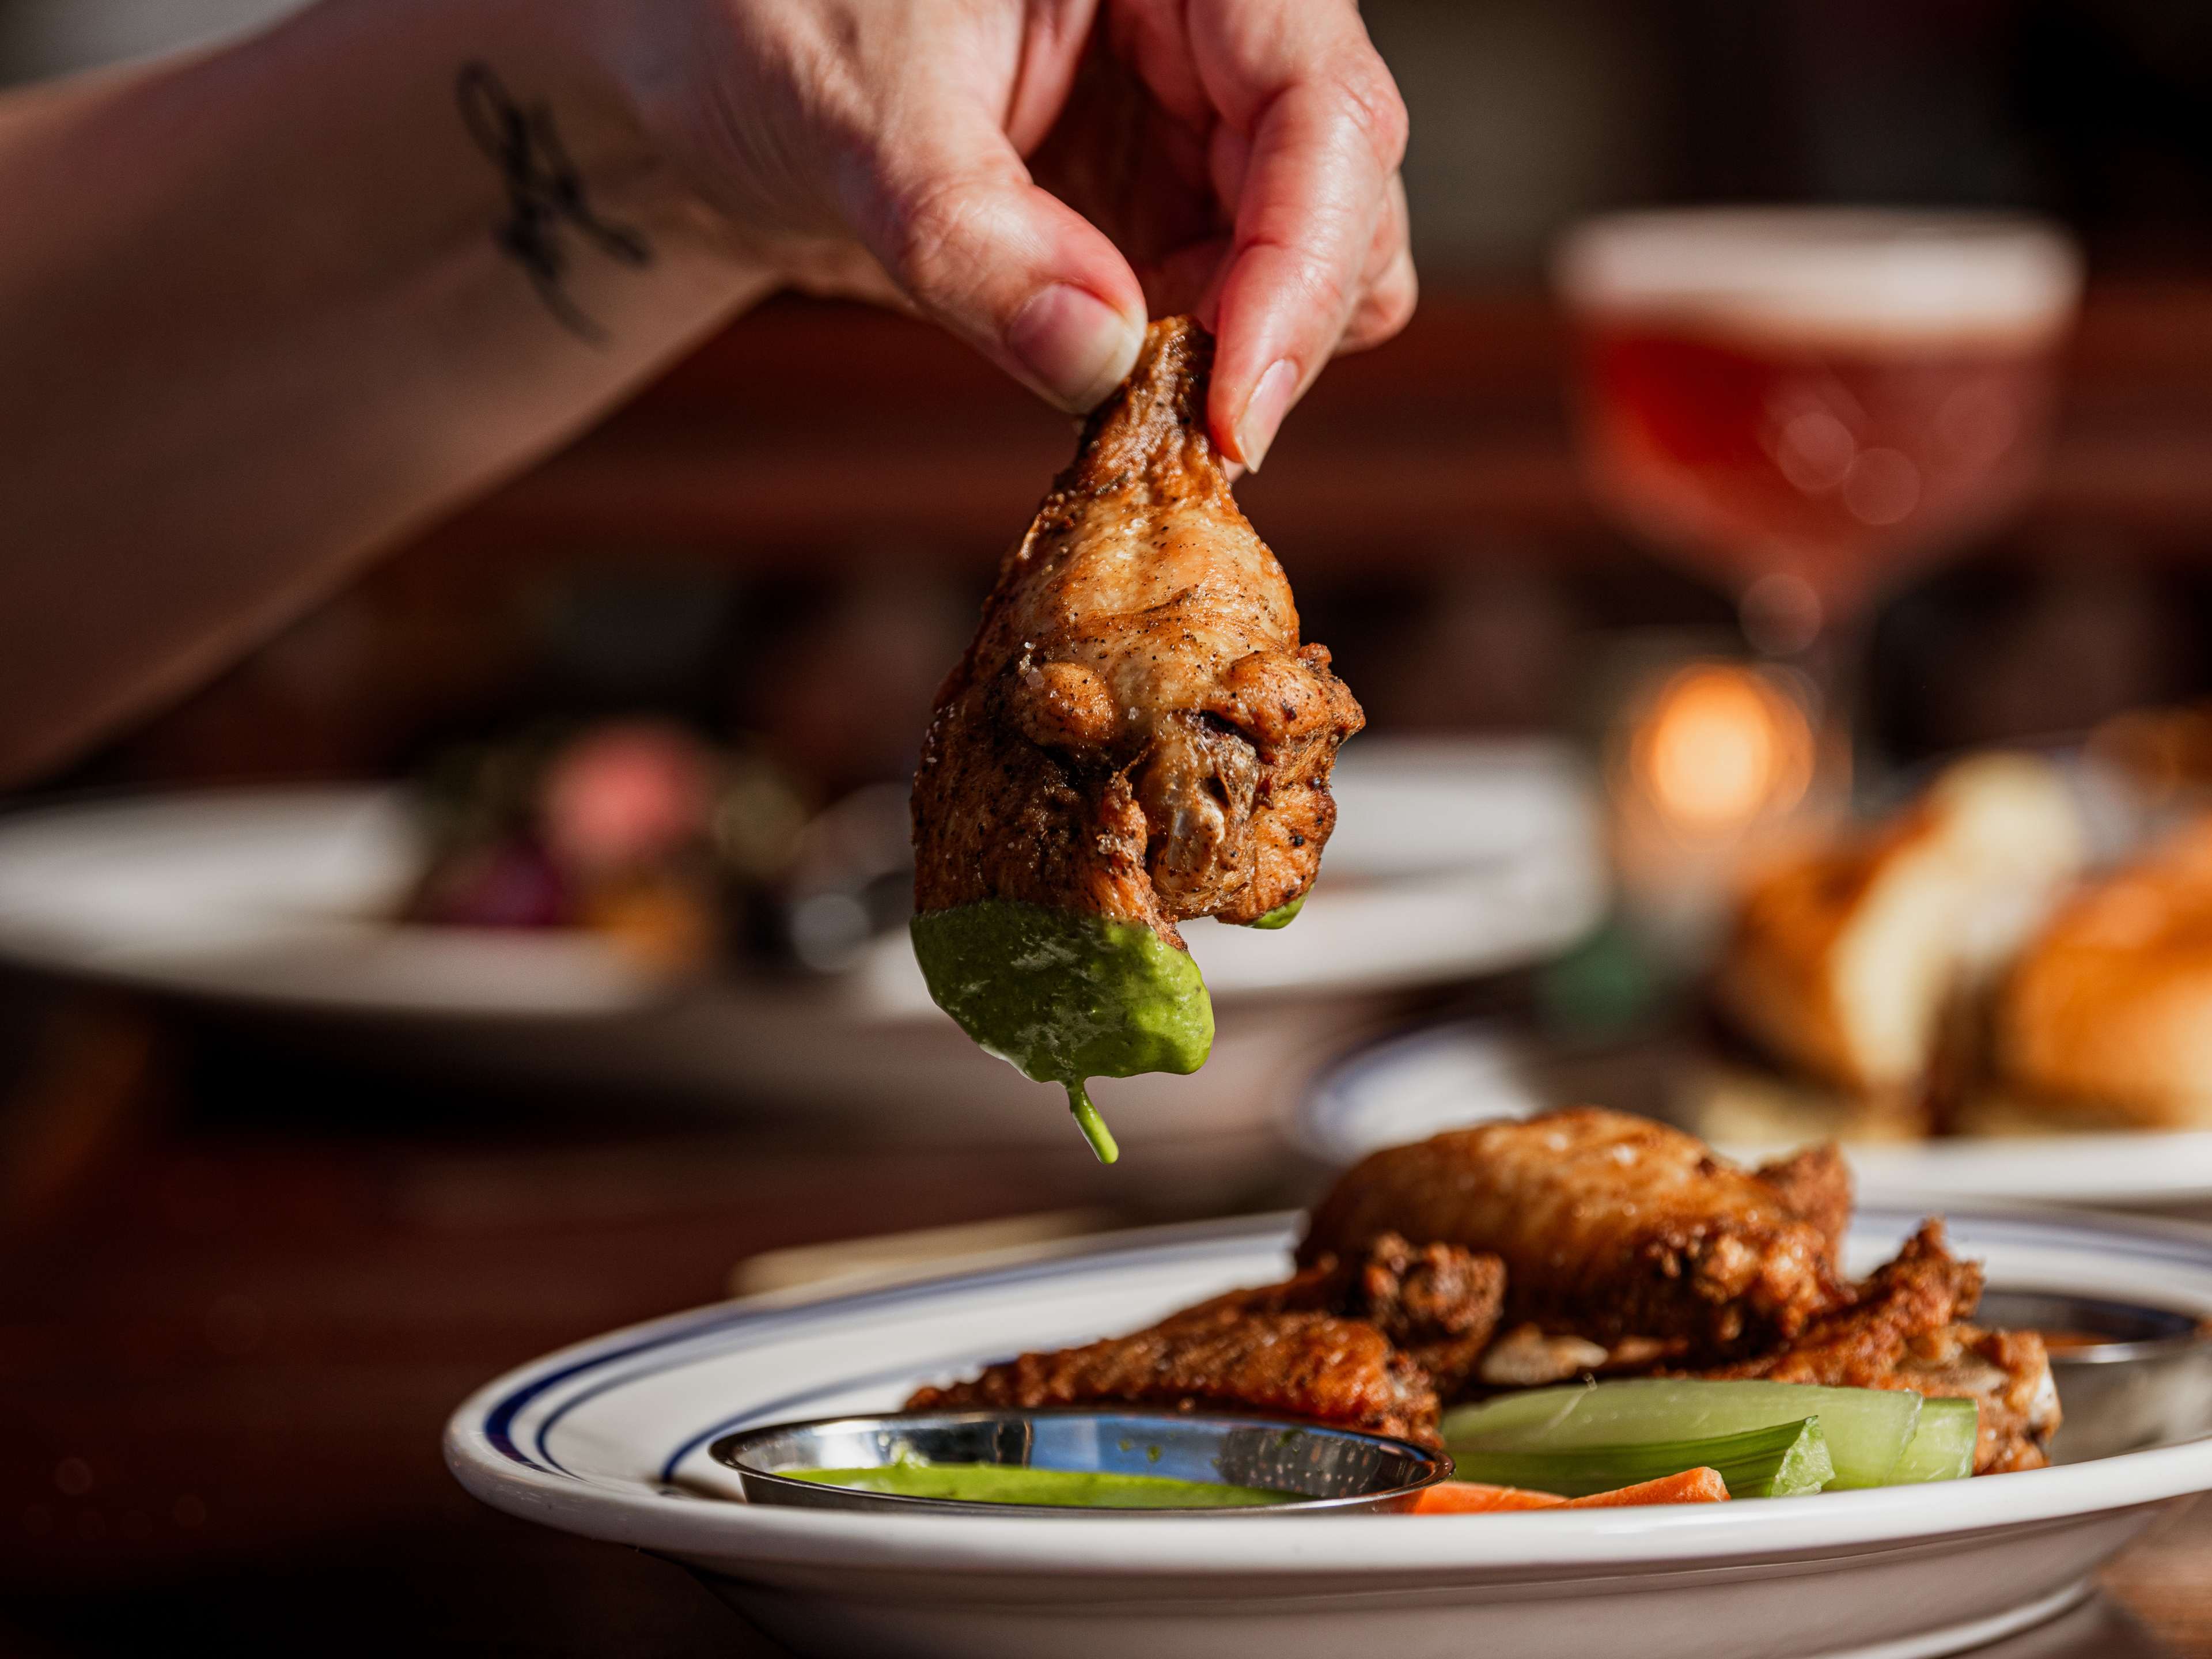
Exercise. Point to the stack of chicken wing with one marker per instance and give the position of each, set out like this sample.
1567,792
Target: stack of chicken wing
1581,1242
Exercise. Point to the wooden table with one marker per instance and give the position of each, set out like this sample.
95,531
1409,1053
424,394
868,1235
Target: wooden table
239,1293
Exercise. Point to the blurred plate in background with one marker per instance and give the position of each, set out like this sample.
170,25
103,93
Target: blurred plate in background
1446,1077
1451,860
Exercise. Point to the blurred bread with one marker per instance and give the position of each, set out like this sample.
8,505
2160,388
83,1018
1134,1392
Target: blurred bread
1843,962
2107,1014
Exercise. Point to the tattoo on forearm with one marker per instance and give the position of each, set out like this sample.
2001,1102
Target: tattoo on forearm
544,190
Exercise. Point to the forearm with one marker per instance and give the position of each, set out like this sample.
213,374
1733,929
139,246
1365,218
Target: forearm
254,324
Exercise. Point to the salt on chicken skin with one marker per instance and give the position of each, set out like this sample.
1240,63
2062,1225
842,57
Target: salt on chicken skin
1610,1226
1137,731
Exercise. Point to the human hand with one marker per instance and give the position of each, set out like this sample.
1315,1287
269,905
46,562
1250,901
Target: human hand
1037,174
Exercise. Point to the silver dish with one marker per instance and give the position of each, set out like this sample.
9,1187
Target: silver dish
2129,1375
1333,1471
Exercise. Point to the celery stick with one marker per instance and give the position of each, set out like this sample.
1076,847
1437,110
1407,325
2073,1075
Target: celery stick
1784,1460
1942,1447
1866,1428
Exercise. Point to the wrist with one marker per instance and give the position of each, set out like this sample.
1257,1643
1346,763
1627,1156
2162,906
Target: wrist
569,73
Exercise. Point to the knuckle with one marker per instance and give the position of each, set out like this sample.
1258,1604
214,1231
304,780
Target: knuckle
931,223
1375,108
1394,308
1384,312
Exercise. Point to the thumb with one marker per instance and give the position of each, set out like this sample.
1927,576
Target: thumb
954,218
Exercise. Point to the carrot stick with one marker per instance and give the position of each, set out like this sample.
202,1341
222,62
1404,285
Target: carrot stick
1690,1486
1472,1497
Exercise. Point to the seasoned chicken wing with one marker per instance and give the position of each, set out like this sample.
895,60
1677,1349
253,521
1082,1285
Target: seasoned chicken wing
1858,1345
1816,1183
1350,1343
1137,731
2007,1374
1610,1226
1342,1371
1435,1303
1906,1328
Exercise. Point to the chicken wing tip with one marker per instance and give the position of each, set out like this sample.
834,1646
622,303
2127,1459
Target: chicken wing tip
1162,403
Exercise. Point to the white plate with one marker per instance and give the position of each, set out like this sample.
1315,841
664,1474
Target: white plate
1450,858
1445,1077
607,1440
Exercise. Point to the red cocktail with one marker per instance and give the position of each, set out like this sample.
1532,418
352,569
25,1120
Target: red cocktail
1800,401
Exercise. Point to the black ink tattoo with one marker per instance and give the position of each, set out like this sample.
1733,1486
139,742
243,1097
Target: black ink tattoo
544,190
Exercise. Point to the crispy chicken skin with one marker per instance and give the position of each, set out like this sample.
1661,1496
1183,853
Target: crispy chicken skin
1610,1227
1858,1346
2006,1373
1907,1329
1136,732
1437,1302
1367,1343
1342,1371
1816,1183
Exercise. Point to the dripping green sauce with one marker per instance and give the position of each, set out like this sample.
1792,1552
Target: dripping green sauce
1011,1483
1066,996
1282,915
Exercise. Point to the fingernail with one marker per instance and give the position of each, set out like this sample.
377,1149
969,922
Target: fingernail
1271,401
1076,347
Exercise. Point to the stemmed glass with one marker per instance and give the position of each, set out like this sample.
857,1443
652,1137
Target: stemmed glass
1802,403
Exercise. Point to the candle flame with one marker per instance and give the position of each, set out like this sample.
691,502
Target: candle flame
1720,748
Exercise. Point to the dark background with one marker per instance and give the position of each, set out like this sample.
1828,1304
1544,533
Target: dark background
239,1290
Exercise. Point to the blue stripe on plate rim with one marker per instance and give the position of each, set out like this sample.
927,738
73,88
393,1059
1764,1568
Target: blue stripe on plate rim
678,1339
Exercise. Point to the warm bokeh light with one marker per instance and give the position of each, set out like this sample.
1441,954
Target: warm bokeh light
1721,747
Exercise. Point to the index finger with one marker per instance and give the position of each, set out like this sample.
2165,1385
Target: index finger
1302,89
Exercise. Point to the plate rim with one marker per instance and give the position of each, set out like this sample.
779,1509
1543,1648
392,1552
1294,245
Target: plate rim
685,1524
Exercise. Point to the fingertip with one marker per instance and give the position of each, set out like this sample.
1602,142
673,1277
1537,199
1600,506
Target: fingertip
954,217
1263,350
1261,416
1073,347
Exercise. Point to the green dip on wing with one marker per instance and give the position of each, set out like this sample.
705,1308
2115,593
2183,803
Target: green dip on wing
1066,995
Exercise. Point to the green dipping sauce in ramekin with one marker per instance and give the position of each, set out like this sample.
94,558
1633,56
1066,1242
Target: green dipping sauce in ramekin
1014,1483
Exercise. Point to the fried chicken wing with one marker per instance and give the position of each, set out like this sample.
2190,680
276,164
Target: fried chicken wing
1342,1371
1906,1328
2007,1374
1435,1303
1371,1342
1610,1227
1858,1346
1816,1183
1137,731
